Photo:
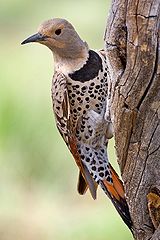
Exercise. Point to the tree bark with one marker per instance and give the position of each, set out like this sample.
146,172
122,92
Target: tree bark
133,55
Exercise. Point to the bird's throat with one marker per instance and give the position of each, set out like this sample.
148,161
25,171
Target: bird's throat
68,65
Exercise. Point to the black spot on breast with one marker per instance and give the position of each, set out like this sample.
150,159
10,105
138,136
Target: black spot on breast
101,174
94,168
106,173
82,156
101,169
87,159
97,86
90,132
93,162
83,89
90,70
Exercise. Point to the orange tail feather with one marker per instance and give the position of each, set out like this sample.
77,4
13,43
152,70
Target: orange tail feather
117,183
116,193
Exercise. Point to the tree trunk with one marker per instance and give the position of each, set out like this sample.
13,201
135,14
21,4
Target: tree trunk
133,55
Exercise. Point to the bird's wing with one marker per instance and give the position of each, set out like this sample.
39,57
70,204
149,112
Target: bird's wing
82,186
61,107
61,104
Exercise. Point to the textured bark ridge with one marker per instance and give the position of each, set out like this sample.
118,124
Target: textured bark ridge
133,52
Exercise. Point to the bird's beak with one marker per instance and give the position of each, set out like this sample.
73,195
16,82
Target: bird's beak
38,37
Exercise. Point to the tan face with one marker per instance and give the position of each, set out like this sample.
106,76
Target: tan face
55,32
60,36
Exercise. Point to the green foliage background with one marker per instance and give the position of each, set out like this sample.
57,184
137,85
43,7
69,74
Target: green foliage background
38,197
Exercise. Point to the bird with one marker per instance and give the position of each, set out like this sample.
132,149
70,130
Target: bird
80,99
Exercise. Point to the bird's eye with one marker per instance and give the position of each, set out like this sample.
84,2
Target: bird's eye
58,31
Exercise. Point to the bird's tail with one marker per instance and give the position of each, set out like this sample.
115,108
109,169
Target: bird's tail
115,192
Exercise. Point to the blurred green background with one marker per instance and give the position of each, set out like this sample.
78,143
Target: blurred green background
38,177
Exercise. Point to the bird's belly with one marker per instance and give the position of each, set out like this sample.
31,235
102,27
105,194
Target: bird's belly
91,129
86,97
91,144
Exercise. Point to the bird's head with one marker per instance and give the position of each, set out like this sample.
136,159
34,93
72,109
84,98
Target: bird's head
60,36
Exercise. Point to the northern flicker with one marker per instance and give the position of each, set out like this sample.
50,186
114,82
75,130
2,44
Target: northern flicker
79,94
